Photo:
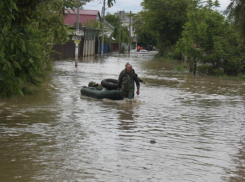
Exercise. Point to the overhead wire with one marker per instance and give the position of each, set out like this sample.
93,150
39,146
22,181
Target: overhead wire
93,5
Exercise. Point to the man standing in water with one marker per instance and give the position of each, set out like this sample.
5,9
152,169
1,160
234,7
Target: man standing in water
126,81
133,71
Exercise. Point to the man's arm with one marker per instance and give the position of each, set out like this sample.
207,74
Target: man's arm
141,80
136,79
137,84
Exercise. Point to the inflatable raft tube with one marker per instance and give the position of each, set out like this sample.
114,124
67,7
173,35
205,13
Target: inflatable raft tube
109,83
101,94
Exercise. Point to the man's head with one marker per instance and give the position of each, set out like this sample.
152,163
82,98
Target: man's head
126,65
129,68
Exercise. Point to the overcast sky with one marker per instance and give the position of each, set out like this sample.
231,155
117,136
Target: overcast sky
131,5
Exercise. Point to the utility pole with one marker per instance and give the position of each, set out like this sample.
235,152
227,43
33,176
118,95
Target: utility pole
119,32
77,32
129,33
103,23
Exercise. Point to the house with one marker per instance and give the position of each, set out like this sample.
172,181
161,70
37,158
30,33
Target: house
108,32
85,17
89,44
126,19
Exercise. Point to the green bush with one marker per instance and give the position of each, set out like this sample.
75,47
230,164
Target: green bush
241,76
204,69
181,68
217,72
209,70
233,66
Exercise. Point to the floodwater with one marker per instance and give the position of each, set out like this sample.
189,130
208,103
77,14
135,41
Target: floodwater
181,128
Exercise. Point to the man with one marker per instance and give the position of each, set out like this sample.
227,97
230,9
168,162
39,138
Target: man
126,81
133,71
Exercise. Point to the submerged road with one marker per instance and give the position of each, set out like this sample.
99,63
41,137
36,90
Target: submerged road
180,128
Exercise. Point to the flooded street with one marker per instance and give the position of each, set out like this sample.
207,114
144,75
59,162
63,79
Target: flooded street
181,128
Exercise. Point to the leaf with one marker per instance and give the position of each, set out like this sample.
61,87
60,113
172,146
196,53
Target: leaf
1,77
21,82
20,92
16,64
2,54
15,7
12,46
23,47
9,64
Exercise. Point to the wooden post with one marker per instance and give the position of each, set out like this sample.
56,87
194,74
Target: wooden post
129,33
119,32
77,30
103,23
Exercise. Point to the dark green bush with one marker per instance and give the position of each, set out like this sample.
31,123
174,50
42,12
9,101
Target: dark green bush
233,66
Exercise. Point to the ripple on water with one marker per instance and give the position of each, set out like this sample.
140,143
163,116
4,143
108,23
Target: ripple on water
196,123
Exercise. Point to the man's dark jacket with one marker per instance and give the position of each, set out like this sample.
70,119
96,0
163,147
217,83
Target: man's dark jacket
133,75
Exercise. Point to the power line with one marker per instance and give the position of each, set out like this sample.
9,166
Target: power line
93,5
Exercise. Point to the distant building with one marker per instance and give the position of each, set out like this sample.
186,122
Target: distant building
89,44
125,19
85,16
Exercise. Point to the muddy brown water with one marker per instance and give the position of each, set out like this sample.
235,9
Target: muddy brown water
180,128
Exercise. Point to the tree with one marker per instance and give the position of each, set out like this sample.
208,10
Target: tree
145,35
210,33
165,18
236,12
114,21
110,3
28,30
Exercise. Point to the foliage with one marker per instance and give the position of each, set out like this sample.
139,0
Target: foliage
181,68
110,3
233,66
28,30
236,12
145,35
165,19
92,24
241,76
204,69
114,21
204,38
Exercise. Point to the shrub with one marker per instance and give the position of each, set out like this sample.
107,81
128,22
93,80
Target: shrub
181,68
204,69
233,66
217,72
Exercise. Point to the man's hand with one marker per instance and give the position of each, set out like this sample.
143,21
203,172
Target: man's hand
138,92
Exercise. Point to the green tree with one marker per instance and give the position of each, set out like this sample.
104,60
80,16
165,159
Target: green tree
145,35
236,12
28,30
114,21
165,18
206,37
110,3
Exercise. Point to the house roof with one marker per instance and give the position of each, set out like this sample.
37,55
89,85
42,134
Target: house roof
84,15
